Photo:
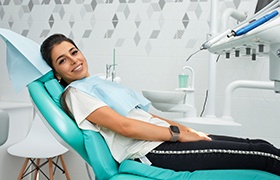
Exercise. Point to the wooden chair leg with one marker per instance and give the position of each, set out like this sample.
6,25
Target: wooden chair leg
23,169
64,167
50,168
36,171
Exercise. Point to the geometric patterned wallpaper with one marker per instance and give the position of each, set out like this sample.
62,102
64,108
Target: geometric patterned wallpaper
132,22
145,33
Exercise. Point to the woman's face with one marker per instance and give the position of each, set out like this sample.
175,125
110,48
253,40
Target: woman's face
68,62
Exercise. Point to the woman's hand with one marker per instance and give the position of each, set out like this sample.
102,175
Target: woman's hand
191,135
187,134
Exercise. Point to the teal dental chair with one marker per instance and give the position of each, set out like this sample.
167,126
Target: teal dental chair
45,93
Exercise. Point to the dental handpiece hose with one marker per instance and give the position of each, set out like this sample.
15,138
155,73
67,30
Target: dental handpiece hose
215,39
210,42
253,24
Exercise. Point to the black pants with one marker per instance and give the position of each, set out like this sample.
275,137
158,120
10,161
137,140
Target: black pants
220,153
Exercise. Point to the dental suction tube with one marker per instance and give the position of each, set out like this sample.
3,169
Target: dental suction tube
253,24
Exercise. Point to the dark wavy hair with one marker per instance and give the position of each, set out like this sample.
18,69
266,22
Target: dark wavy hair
47,47
46,51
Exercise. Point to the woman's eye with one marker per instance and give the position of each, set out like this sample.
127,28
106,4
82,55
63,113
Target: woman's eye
74,52
61,61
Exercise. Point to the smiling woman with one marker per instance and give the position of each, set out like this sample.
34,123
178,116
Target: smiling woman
69,63
65,59
121,116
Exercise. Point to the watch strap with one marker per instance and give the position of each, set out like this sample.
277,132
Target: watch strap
174,133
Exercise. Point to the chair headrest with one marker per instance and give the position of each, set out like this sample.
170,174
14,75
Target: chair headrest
54,89
52,86
48,76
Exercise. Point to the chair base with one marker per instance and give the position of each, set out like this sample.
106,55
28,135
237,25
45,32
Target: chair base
36,167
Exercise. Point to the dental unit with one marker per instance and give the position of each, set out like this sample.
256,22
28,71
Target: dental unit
253,37
259,37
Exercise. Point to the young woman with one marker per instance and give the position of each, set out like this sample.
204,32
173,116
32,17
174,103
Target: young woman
131,132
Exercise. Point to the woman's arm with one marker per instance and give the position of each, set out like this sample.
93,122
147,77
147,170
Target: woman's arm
132,128
184,128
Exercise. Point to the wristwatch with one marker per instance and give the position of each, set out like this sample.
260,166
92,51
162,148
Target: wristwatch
175,132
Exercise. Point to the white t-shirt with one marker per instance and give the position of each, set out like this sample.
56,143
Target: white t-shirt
81,105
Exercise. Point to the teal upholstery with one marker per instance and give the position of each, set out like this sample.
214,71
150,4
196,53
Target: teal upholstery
133,167
100,155
45,93
62,124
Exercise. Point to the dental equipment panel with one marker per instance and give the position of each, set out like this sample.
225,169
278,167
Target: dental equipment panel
257,35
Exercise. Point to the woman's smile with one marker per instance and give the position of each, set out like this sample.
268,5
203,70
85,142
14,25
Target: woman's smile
78,68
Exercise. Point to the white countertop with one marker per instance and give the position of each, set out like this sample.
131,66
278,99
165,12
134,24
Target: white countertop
12,105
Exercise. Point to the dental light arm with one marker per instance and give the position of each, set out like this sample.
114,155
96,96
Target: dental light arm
259,38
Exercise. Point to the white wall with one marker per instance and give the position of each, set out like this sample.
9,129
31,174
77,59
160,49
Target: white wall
152,43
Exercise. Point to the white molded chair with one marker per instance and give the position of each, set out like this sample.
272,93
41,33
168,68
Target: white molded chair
39,144
4,126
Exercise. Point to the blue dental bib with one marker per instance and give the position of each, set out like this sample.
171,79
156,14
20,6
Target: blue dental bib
116,96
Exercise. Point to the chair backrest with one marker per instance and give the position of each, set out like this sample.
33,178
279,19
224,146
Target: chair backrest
4,126
38,143
45,94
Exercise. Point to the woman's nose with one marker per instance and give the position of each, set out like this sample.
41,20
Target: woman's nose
73,61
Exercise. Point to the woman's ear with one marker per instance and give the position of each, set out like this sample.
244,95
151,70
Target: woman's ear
58,77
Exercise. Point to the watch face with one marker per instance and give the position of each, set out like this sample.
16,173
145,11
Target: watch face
175,129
